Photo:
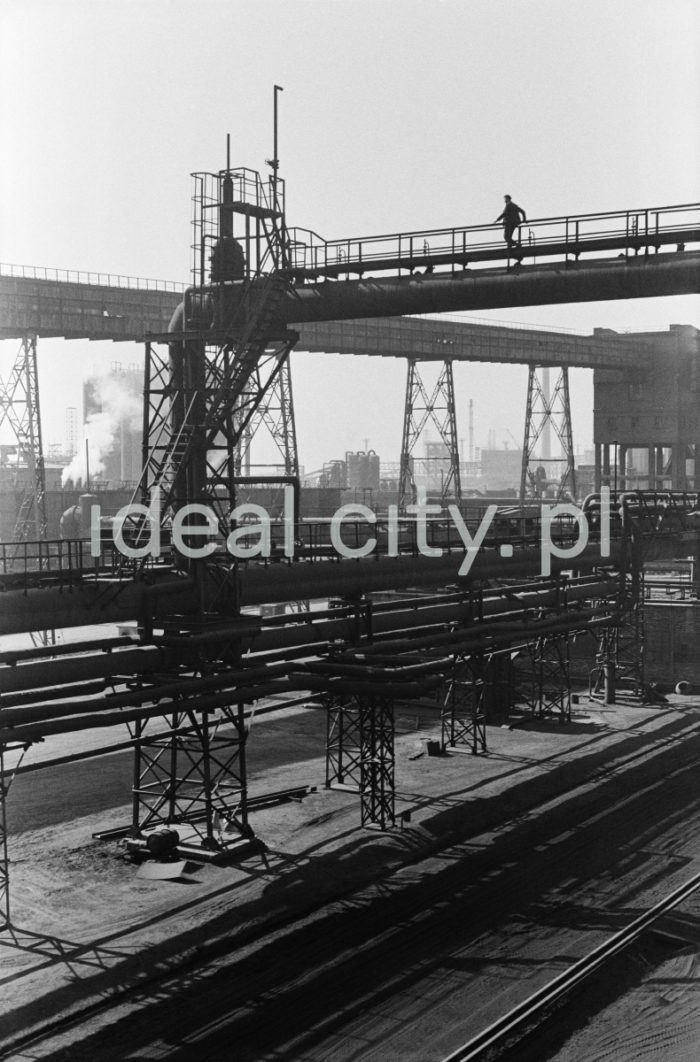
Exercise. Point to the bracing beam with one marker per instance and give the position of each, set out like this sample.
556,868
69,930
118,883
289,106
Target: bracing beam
547,410
19,408
463,713
193,775
360,753
619,663
275,416
437,472
5,781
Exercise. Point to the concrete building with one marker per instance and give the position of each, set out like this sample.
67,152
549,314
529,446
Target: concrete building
646,422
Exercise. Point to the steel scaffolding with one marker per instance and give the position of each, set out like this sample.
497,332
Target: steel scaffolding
464,707
547,409
343,743
422,409
222,375
619,662
19,407
544,669
192,775
360,753
5,782
4,862
275,415
195,428
549,659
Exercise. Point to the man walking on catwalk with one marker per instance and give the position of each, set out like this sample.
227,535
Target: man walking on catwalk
512,216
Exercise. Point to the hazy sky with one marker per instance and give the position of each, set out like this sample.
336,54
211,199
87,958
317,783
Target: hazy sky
395,115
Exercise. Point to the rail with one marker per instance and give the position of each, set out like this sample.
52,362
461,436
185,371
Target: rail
646,228
24,563
630,230
72,558
518,1021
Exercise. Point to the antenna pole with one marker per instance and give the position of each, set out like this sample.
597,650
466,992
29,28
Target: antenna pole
275,160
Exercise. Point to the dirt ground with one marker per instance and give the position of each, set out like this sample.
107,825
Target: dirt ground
86,923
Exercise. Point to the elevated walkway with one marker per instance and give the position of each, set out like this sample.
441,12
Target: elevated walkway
74,305
631,232
616,255
84,306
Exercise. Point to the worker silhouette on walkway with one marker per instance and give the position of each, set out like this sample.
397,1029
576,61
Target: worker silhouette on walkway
512,216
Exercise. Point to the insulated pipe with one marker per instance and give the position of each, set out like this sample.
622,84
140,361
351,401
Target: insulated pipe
280,582
503,634
183,687
41,608
481,289
251,683
37,652
187,361
34,730
132,662
57,693
37,609
320,632
531,285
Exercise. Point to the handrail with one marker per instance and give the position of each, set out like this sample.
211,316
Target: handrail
309,251
644,227
79,276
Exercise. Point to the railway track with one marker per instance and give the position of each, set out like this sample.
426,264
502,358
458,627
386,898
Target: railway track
502,1035
311,968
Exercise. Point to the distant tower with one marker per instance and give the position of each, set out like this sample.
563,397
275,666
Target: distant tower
437,409
547,409
71,431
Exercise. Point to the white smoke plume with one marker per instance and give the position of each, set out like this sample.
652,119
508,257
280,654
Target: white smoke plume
120,407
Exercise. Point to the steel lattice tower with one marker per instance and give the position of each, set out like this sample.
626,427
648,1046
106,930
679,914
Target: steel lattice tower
225,371
19,407
421,409
211,382
275,415
547,409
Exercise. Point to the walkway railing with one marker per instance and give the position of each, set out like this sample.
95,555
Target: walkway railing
79,276
61,560
631,229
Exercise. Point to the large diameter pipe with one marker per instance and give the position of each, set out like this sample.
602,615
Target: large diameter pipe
131,662
299,631
53,608
185,686
480,635
41,608
34,730
304,631
483,289
280,582
509,634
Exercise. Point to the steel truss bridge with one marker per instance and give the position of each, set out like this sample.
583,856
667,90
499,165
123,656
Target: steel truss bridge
404,626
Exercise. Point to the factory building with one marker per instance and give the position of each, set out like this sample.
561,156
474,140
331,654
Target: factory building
646,424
